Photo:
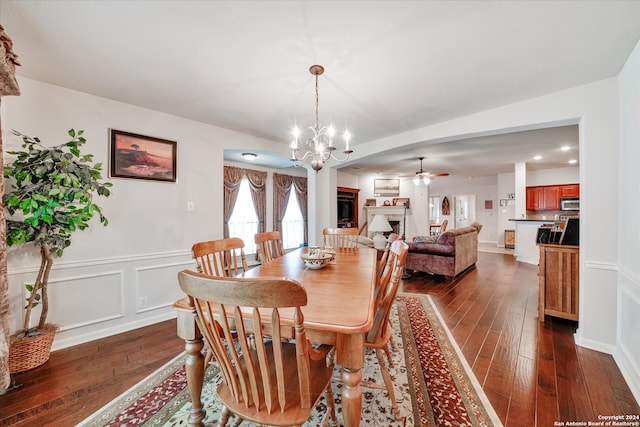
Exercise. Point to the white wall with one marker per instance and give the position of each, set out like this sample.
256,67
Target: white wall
627,352
559,176
506,185
484,189
97,285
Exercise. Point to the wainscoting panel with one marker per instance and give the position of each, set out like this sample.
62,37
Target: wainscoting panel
627,353
151,292
65,293
102,297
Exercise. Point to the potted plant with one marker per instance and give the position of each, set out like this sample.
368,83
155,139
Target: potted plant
51,197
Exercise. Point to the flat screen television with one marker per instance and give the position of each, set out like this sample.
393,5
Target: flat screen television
346,209
571,232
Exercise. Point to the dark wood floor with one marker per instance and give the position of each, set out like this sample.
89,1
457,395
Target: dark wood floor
532,372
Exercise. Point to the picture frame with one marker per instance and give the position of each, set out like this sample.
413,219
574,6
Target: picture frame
503,202
142,157
401,201
488,204
370,202
385,187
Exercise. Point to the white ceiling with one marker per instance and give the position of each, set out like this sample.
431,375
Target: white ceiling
391,66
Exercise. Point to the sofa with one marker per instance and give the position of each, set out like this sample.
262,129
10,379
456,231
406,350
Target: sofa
450,254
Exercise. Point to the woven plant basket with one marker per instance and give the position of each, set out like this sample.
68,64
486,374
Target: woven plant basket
31,352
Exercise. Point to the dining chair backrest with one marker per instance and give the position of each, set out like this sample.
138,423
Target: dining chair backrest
340,237
385,255
443,227
267,381
388,284
221,258
269,245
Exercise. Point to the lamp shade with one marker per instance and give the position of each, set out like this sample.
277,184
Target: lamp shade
380,223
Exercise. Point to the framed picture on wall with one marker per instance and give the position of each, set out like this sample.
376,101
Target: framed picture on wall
142,157
370,202
383,187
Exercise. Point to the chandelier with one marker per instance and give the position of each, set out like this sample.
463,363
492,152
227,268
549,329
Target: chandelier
319,147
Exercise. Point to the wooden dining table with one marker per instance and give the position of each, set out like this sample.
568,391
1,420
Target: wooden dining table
339,311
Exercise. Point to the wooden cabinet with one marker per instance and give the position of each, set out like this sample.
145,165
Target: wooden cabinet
510,239
559,281
551,198
534,198
572,190
347,207
547,197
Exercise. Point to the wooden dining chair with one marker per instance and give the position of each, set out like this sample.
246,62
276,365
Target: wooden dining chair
379,335
340,237
443,227
385,255
279,382
269,245
220,257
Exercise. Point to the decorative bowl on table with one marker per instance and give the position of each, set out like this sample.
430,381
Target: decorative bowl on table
317,260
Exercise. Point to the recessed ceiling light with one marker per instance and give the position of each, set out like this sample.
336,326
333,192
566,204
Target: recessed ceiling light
249,156
565,148
538,157
572,161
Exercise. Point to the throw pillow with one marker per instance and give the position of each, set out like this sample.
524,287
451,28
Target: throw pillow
425,239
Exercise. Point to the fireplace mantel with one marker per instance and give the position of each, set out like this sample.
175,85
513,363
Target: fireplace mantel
387,210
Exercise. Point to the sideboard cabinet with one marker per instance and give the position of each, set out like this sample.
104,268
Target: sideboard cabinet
559,281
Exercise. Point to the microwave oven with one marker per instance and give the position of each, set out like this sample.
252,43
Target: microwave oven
572,204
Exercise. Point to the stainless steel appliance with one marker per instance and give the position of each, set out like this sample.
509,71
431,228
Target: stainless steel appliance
572,204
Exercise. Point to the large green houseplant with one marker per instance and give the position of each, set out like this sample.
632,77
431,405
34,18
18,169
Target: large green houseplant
51,197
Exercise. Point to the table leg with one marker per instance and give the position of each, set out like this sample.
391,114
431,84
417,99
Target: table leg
350,355
194,366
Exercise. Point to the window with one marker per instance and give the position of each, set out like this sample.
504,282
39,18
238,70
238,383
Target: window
434,209
292,223
244,220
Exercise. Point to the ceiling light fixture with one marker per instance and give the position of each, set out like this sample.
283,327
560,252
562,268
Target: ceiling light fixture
538,157
249,156
319,148
422,176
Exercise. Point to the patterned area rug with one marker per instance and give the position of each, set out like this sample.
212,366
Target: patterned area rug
433,383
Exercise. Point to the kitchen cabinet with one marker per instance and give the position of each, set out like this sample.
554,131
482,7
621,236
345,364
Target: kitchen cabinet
534,198
572,190
551,198
547,197
559,281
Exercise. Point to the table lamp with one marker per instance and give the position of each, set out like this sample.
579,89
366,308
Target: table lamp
378,226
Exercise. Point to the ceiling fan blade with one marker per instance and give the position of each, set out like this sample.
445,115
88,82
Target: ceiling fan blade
440,174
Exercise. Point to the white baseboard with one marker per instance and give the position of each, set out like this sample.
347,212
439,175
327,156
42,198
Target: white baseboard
630,370
59,344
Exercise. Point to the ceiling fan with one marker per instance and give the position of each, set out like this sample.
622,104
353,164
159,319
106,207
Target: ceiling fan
424,176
